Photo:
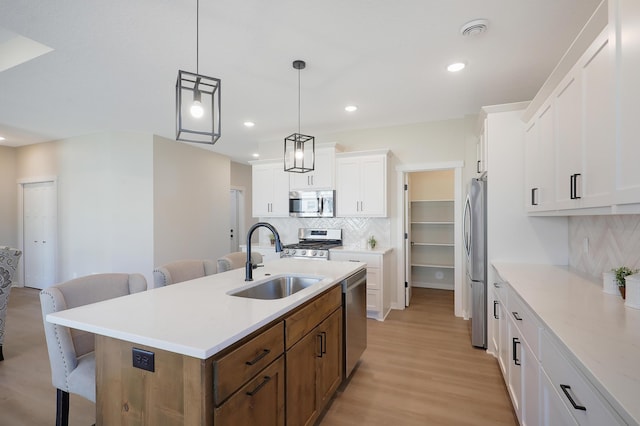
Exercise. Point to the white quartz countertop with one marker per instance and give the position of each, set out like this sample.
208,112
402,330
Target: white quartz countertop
198,318
347,249
602,334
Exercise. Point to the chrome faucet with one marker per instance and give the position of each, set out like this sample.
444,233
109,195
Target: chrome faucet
248,267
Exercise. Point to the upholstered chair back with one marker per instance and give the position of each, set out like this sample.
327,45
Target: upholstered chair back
9,258
72,369
237,260
182,270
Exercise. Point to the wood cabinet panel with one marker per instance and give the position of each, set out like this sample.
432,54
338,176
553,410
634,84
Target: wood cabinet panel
235,368
306,319
260,402
330,363
132,396
302,396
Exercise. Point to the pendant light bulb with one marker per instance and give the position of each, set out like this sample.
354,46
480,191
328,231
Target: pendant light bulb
299,154
197,110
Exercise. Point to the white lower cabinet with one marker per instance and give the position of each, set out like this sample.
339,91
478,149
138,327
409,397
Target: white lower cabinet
543,380
573,390
378,270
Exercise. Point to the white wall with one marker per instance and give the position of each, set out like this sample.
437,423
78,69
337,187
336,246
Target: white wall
241,179
8,197
105,193
190,202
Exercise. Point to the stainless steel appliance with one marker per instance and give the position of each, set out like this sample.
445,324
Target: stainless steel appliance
313,243
354,320
475,245
312,204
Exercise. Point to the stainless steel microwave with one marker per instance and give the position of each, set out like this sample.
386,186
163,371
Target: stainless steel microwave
312,204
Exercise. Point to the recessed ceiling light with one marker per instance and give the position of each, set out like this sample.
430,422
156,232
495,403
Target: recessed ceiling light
256,155
455,67
351,108
249,124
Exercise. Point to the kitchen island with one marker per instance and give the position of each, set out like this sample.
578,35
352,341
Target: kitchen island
205,357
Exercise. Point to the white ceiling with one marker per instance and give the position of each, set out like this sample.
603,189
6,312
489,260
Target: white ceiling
115,63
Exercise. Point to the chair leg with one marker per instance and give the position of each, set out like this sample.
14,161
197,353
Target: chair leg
62,408
1,356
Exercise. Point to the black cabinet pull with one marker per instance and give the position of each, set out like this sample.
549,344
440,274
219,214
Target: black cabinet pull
516,316
320,353
534,192
478,166
566,389
264,353
264,382
575,186
571,187
516,342
495,313
324,342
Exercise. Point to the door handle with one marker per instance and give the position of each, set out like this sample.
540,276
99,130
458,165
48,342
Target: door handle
495,313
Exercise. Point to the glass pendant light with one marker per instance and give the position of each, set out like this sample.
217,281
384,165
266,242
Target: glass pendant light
299,149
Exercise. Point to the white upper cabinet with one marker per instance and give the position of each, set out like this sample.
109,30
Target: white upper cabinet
270,189
539,161
574,132
361,184
323,175
481,149
625,15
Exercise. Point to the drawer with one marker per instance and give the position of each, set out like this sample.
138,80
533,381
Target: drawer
262,398
500,291
298,324
372,260
373,301
579,396
234,369
524,319
373,279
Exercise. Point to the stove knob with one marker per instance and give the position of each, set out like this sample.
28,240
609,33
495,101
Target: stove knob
293,251
313,253
321,254
303,252
286,251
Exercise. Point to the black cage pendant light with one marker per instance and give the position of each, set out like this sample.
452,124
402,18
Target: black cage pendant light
197,102
299,149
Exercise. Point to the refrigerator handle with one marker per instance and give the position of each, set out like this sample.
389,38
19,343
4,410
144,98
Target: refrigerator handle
466,233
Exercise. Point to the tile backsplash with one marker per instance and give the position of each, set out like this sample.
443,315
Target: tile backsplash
355,231
613,241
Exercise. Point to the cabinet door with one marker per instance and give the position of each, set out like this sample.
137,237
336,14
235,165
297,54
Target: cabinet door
515,369
497,316
530,387
260,401
553,412
262,190
322,178
532,163
546,172
270,190
599,130
628,149
330,362
373,180
568,110
348,187
302,396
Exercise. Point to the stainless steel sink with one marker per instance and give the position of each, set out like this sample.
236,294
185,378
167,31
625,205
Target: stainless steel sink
277,288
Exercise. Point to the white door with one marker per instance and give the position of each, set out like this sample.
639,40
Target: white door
407,240
39,219
234,243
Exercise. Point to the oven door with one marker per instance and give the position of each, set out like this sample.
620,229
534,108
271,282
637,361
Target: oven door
305,204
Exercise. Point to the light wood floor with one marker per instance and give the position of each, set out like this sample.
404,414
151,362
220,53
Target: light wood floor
419,369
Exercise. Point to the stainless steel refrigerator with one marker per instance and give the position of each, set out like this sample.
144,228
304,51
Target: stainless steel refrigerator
475,244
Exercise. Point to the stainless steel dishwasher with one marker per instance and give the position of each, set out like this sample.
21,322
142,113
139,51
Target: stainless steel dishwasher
354,320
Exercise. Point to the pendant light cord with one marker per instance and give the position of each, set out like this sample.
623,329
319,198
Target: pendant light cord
198,37
298,100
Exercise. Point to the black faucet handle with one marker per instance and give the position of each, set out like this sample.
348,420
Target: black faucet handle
256,266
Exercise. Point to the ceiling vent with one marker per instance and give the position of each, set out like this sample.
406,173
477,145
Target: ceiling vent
475,27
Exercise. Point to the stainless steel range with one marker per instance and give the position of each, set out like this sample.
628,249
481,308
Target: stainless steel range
314,243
